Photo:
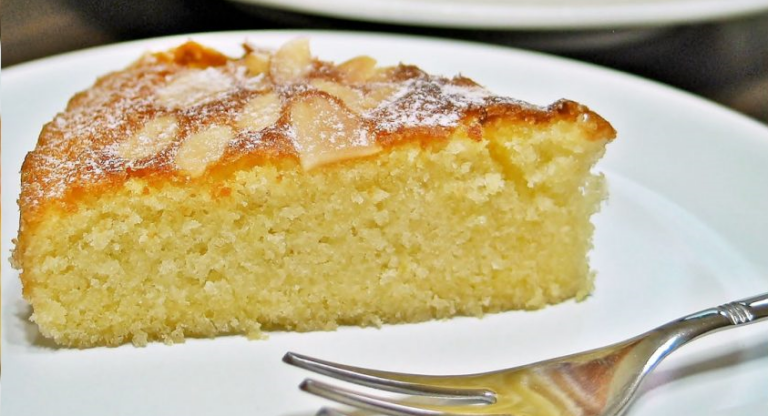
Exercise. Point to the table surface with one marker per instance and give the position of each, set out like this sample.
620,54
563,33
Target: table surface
725,61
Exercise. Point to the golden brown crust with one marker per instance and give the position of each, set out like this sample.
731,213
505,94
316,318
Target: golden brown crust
87,148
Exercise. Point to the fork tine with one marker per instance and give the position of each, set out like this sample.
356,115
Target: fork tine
389,381
365,401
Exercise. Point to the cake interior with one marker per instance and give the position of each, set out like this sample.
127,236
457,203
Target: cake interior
418,231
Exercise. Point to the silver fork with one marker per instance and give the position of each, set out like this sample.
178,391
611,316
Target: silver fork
599,382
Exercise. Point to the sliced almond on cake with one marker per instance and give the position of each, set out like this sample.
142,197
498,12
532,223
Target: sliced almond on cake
194,87
150,140
260,112
325,132
203,148
357,69
257,63
292,62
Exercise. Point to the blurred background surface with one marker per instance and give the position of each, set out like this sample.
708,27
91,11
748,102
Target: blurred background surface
725,60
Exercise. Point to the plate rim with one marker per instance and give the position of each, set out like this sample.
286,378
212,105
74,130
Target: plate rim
496,15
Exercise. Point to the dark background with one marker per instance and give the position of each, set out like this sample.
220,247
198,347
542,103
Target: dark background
726,61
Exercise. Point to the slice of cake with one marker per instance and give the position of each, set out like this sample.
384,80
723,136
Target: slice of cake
192,194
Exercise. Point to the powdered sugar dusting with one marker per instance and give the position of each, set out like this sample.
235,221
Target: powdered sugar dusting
85,146
194,87
430,102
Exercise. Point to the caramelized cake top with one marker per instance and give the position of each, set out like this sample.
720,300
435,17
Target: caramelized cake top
192,113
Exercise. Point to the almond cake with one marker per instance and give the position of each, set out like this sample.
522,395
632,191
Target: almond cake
193,194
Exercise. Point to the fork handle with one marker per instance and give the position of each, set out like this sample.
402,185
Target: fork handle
745,311
738,312
728,315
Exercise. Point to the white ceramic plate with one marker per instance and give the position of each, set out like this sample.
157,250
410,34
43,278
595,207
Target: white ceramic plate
524,14
685,229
